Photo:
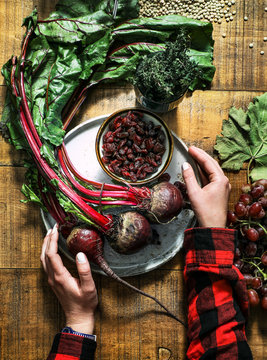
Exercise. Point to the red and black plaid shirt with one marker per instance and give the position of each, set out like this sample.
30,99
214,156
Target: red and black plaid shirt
217,303
72,347
217,296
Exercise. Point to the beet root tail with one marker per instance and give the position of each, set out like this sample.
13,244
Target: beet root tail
107,270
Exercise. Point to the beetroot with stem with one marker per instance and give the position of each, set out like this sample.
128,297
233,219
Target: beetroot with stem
166,202
88,241
132,232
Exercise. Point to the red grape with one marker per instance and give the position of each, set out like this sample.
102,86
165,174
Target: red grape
231,217
245,199
256,283
261,214
244,229
239,264
240,209
260,231
252,234
262,182
263,290
251,249
263,201
264,258
257,191
264,303
248,278
253,297
250,218
255,209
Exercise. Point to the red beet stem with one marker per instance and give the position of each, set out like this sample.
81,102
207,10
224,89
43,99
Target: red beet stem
143,192
126,196
49,173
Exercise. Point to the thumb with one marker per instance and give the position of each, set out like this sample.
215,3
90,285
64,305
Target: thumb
84,270
190,179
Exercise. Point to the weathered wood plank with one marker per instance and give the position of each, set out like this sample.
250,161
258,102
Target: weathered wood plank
128,326
239,67
12,15
21,230
29,315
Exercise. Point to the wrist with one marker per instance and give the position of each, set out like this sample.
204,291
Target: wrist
86,327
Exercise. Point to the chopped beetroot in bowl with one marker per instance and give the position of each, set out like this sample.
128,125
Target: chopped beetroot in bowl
134,145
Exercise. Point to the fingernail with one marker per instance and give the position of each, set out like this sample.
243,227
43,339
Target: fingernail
81,258
55,228
185,166
48,232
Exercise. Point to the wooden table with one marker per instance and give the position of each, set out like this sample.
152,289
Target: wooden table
127,325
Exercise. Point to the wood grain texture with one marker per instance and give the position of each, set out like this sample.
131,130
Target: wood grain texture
239,67
128,326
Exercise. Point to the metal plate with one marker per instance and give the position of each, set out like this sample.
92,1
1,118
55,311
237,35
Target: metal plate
80,143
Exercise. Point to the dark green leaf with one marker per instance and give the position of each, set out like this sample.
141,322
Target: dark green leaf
245,138
31,196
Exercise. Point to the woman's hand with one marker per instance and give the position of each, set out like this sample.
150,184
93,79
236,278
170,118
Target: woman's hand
78,297
209,203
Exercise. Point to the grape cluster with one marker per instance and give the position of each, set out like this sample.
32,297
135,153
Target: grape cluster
250,219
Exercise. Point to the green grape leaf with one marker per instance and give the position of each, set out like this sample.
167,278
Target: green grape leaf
244,138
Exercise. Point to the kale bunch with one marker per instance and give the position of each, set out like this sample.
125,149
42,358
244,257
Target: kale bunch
165,75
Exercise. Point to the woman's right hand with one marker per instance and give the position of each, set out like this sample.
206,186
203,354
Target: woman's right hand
210,203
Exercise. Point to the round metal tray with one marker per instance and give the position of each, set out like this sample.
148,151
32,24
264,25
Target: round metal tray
80,143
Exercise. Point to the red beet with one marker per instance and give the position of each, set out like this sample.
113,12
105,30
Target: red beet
88,241
166,202
132,232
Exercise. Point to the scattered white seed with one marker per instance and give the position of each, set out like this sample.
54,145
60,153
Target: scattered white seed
233,2
265,9
234,12
245,18
265,38
251,45
262,52
223,35
231,18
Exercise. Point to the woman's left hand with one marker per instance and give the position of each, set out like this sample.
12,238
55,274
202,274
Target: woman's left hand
78,297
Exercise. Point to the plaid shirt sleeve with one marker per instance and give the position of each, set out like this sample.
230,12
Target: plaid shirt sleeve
72,347
217,296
